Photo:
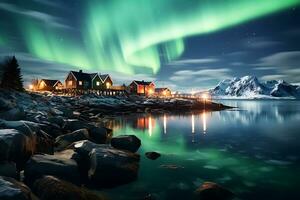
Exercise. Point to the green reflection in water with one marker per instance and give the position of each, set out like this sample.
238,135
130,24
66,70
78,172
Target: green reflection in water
242,174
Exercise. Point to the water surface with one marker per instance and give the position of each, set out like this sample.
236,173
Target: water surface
253,150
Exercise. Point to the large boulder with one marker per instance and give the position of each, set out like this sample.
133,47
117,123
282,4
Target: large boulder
210,190
44,143
59,120
83,149
40,140
99,134
10,189
8,169
50,187
56,165
61,142
23,126
111,167
75,124
16,113
126,142
15,146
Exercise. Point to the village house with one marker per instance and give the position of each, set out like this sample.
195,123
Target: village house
106,81
142,88
48,85
162,92
83,81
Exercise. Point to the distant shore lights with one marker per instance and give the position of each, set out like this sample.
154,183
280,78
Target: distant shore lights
205,97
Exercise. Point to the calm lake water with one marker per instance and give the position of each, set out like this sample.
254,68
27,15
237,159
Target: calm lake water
253,150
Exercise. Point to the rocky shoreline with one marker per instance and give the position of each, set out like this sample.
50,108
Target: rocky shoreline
51,147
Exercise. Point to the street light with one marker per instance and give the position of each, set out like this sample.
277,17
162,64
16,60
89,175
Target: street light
205,97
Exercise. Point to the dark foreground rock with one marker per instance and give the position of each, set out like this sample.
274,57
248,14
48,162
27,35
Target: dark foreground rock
59,166
15,146
213,191
63,141
152,155
8,169
50,188
97,135
111,167
75,124
41,142
126,142
13,114
10,189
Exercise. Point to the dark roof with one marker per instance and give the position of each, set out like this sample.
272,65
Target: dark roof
49,82
93,75
143,82
160,89
80,76
103,76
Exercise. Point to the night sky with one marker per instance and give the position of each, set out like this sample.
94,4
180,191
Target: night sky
184,44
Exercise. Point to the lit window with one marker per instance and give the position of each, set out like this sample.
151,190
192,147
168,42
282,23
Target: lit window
70,83
97,83
107,85
80,82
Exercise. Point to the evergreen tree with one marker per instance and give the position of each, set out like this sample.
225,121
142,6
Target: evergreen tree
11,77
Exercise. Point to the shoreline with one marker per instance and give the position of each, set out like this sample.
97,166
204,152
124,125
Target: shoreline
50,138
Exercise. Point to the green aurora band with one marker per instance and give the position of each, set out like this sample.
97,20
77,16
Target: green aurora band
138,35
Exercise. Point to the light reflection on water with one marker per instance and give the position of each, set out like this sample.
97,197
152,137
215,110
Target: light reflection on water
254,150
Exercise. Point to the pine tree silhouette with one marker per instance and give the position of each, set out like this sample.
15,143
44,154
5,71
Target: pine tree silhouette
11,77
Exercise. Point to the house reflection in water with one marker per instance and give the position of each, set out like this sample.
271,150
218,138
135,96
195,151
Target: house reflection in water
146,123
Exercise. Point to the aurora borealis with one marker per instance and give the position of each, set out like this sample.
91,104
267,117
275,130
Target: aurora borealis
128,37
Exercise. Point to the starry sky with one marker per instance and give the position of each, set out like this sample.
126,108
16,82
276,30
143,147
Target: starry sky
185,45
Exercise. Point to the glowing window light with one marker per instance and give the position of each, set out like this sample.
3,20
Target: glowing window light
70,83
31,87
150,91
107,85
97,83
80,82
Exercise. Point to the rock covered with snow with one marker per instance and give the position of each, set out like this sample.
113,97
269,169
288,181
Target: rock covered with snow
250,87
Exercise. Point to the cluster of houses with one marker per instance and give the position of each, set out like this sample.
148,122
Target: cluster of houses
80,82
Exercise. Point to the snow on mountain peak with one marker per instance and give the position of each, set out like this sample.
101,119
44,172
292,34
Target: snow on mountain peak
251,87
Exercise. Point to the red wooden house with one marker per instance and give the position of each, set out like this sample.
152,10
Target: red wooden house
142,88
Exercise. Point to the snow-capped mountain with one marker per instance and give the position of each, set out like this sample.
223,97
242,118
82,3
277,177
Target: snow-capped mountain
250,87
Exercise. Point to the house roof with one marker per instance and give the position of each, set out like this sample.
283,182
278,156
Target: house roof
103,77
93,75
142,82
160,89
81,76
49,82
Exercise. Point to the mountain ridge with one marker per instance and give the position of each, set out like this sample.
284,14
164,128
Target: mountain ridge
249,87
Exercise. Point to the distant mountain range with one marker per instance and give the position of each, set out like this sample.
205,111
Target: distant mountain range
249,87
